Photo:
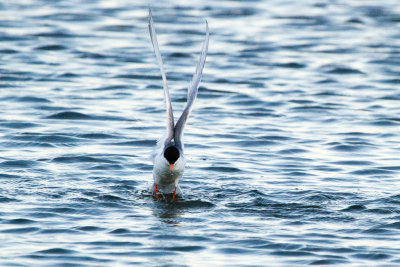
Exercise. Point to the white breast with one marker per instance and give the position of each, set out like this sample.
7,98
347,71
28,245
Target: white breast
163,177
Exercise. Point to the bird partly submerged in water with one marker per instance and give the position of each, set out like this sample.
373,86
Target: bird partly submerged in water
168,156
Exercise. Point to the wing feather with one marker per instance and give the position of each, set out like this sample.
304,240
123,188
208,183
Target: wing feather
192,92
170,116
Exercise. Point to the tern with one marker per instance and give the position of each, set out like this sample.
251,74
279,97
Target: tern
168,156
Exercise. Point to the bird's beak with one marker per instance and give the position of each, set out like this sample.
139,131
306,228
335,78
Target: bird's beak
171,167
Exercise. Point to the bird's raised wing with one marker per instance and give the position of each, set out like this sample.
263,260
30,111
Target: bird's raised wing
192,92
170,116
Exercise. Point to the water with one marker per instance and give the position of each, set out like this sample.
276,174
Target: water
292,146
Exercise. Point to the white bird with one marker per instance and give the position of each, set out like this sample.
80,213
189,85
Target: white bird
168,157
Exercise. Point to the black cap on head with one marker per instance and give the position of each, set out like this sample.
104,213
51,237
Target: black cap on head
171,154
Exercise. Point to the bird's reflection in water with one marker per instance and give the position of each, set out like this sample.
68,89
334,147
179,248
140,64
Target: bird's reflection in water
172,211
169,210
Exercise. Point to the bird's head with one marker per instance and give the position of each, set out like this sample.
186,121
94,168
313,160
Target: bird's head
172,154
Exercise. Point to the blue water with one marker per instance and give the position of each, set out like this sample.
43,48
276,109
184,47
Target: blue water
293,144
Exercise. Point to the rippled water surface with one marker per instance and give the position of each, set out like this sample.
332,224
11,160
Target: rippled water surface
293,144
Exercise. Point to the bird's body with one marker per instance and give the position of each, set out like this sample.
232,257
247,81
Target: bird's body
168,158
166,179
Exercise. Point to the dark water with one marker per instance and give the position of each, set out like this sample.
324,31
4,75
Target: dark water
293,145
